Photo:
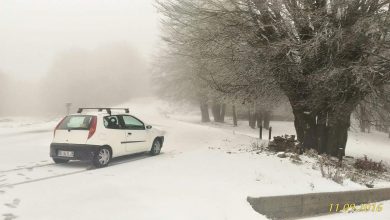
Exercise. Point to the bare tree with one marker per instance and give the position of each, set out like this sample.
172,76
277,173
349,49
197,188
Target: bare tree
222,64
326,56
175,77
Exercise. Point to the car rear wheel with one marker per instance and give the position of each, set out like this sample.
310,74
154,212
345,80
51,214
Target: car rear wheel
156,147
102,158
57,160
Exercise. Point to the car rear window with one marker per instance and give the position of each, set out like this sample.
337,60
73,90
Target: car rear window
76,122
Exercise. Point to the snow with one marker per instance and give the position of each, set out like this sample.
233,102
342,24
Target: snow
24,141
375,145
205,171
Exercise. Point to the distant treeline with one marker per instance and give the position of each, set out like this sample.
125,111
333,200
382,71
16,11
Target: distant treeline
105,76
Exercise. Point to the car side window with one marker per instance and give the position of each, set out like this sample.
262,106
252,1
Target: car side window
112,122
132,123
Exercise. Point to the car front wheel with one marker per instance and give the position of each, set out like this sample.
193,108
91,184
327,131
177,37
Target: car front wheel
156,147
102,158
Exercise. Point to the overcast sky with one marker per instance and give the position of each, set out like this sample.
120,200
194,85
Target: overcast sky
32,32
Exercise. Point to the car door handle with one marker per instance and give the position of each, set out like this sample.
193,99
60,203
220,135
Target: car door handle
129,133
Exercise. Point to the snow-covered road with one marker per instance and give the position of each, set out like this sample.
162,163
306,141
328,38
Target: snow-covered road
204,172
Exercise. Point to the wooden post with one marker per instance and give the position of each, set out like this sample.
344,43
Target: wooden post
270,131
261,132
340,156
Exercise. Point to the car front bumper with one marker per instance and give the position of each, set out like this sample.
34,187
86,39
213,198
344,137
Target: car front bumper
81,151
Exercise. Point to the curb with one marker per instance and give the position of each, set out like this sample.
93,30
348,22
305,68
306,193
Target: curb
305,205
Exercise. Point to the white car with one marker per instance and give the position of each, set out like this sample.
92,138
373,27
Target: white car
99,136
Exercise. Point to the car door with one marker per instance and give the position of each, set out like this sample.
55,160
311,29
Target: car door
135,134
115,134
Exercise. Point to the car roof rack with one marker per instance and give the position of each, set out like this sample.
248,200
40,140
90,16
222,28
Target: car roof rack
108,110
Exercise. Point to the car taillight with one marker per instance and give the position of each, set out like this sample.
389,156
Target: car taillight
92,127
58,125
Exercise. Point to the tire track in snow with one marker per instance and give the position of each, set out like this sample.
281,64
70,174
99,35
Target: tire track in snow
26,168
18,175
43,178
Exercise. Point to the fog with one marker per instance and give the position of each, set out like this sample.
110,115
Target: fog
84,52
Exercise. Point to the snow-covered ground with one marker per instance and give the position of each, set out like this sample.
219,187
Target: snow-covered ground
204,172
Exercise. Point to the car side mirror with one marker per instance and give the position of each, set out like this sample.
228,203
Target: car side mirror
148,127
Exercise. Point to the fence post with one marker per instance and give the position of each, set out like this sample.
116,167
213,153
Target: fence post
261,132
270,131
340,156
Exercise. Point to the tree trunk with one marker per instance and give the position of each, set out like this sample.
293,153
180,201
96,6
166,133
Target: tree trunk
259,118
310,140
321,132
234,116
325,132
252,121
204,109
299,124
387,107
267,119
223,112
216,110
337,132
251,118
363,118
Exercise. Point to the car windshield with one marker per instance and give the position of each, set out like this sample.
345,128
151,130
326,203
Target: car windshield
75,122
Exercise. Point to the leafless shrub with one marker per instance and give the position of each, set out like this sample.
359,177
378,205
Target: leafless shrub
258,147
329,171
286,143
367,164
